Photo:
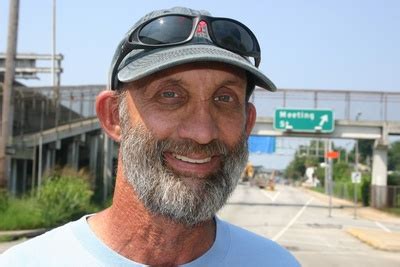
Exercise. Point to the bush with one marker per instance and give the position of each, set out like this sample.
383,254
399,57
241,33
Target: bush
366,188
394,178
4,202
20,214
341,171
63,198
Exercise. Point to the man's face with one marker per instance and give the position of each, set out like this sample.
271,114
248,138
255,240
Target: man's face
183,139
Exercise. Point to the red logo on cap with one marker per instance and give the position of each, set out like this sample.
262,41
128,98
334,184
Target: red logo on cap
201,26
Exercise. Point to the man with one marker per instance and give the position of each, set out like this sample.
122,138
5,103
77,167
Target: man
180,83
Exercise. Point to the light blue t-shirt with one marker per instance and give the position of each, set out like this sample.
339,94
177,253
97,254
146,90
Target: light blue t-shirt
75,244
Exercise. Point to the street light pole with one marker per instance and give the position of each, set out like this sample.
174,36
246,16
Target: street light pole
8,100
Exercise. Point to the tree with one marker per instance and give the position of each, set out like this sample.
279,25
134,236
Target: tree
394,164
341,171
365,148
394,157
297,167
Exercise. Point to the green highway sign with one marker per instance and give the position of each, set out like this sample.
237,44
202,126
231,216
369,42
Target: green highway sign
304,120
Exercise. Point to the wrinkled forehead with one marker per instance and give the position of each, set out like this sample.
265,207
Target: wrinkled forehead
237,74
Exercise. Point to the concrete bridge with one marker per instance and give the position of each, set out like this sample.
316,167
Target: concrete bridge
346,129
77,140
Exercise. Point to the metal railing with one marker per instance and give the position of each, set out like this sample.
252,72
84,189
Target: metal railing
370,106
345,190
36,110
393,196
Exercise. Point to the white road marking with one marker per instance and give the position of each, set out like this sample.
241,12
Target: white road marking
275,196
334,252
383,227
278,235
272,198
288,243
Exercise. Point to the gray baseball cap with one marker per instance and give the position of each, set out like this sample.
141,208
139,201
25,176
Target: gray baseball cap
139,63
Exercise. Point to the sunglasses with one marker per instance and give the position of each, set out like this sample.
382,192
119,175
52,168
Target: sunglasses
172,30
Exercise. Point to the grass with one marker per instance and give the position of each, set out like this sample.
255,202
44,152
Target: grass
318,189
6,238
394,211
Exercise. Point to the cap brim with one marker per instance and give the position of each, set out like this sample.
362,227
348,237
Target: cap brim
139,63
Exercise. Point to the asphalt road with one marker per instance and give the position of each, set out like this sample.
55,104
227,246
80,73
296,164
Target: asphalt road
299,221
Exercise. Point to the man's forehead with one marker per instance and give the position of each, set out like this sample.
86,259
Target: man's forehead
177,73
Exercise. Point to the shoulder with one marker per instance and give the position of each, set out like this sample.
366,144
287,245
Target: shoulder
255,250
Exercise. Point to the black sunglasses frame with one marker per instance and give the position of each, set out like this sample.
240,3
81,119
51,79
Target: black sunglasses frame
132,41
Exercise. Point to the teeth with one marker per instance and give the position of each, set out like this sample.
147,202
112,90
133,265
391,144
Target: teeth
186,159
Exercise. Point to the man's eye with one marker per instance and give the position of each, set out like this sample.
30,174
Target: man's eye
224,98
169,94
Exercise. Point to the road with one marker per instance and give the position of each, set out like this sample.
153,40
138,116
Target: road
299,221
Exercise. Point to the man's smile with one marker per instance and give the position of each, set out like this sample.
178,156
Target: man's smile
191,160
195,165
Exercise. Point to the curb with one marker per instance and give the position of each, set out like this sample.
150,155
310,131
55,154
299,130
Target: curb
15,235
369,213
377,239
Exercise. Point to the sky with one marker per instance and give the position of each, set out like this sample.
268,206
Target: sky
305,44
341,44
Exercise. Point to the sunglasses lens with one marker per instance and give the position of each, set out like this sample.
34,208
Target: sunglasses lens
166,30
232,36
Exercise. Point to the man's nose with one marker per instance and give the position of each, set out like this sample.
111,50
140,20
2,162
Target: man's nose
199,124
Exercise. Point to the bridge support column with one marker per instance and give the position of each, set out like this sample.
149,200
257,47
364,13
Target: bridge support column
94,156
73,154
13,181
108,150
50,158
379,175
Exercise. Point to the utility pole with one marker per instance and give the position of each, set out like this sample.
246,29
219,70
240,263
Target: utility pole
55,65
8,100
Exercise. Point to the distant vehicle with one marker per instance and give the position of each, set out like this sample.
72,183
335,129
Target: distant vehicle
248,172
263,178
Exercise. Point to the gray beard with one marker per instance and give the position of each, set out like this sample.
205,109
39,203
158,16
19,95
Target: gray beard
163,191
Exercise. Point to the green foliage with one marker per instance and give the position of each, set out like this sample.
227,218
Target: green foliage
62,198
345,190
320,173
311,161
394,211
341,171
21,214
366,188
4,201
296,168
394,178
65,195
365,149
394,156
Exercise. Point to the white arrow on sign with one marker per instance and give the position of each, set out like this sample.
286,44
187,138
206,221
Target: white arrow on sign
288,126
324,119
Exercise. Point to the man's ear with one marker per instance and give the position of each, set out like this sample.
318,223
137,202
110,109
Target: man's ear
107,112
251,117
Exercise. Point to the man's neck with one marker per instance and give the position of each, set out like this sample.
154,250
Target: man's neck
130,230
